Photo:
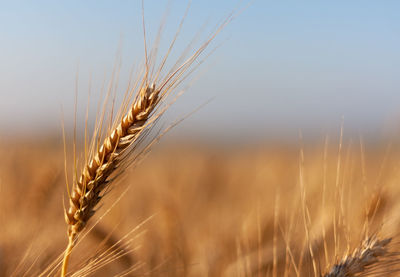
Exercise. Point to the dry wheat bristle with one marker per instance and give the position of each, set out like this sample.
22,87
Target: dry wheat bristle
363,258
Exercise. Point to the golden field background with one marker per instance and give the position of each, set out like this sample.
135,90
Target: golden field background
207,210
233,204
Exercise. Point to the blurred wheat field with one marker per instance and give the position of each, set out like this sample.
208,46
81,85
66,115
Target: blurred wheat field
321,207
210,210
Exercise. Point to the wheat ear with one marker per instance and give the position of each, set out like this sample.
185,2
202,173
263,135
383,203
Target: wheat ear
94,178
87,191
364,258
104,160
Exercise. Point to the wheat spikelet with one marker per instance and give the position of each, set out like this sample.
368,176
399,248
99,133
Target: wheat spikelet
364,258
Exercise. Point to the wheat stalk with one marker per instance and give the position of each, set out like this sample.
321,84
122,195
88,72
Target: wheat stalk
364,258
104,159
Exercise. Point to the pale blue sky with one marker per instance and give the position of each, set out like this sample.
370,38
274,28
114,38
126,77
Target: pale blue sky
282,65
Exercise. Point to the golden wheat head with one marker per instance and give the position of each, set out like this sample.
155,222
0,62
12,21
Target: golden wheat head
86,192
126,135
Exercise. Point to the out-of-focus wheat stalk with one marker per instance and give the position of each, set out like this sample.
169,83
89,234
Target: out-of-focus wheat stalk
365,257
